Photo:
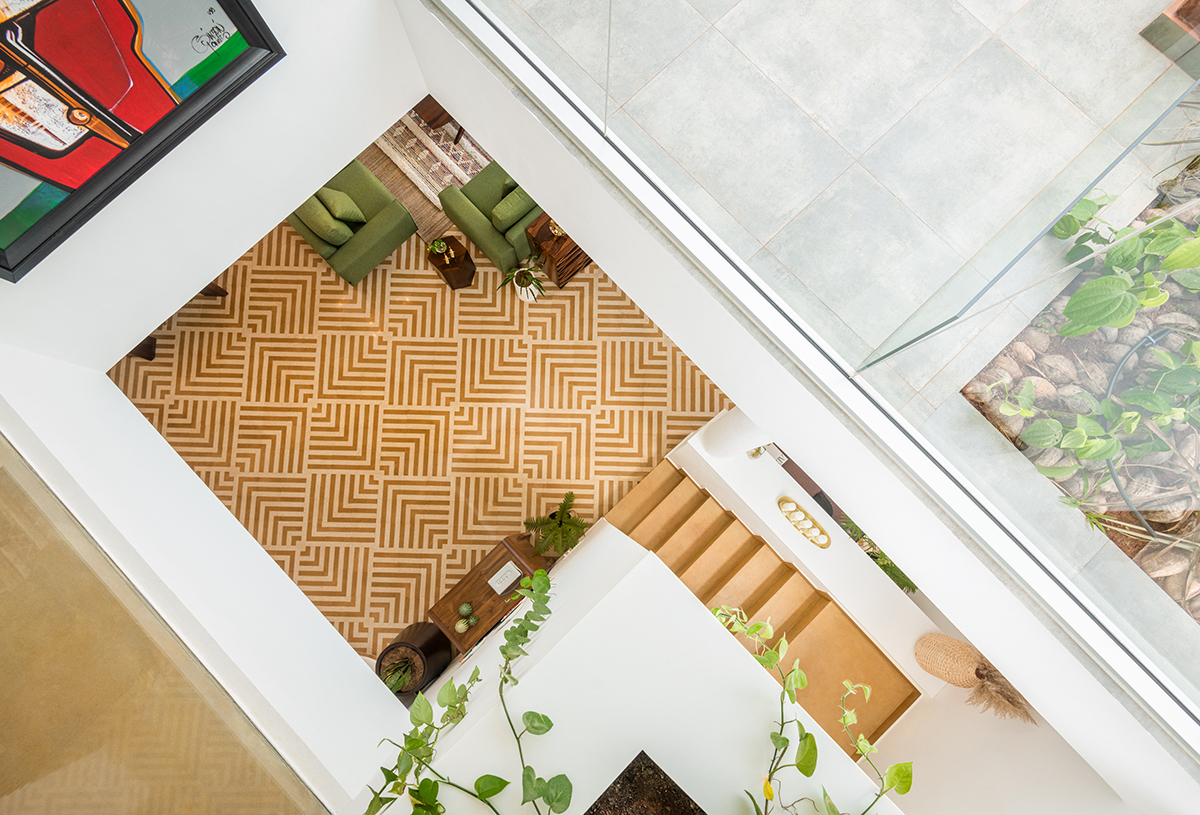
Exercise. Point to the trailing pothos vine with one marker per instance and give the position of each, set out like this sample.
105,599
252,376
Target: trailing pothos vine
897,777
413,772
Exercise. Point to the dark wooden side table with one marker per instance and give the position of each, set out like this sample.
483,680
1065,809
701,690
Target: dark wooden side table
486,604
455,265
434,115
562,257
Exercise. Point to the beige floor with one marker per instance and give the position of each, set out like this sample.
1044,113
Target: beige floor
378,439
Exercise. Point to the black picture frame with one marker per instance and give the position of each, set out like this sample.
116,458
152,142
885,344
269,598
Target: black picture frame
94,194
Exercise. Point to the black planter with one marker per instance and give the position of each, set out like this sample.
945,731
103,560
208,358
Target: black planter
433,650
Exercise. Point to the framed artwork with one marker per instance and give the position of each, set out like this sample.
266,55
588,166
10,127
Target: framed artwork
94,92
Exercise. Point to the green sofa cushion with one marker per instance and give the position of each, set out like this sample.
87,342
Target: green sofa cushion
510,184
329,229
341,206
516,234
324,248
511,209
486,189
477,227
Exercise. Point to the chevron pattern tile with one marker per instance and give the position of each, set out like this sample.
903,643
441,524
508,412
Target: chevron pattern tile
378,440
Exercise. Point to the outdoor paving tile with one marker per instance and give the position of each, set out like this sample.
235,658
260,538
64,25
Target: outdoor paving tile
742,138
828,326
714,9
890,385
865,254
856,74
979,147
1092,52
917,411
550,52
993,13
645,37
1133,122
668,170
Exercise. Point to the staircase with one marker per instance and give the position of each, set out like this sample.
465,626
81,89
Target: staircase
725,565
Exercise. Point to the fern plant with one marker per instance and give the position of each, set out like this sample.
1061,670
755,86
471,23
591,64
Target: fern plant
560,532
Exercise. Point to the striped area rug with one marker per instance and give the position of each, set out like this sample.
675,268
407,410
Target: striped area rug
429,156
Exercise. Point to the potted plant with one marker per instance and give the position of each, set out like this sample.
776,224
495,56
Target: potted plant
525,278
412,661
559,532
440,247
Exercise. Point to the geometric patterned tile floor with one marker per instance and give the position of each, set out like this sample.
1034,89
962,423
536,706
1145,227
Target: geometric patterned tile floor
378,439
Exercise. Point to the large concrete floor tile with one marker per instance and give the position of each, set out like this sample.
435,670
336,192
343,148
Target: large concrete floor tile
865,254
980,147
828,326
889,384
742,138
625,130
644,37
993,13
552,54
714,9
856,74
1092,52
1133,122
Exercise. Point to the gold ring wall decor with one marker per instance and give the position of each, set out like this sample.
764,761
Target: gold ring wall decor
804,523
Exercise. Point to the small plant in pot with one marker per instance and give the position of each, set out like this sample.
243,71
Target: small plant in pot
414,660
525,278
440,247
559,532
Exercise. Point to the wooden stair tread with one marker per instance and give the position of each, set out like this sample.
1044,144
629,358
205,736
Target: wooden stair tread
694,535
832,648
750,585
635,506
786,603
727,553
669,515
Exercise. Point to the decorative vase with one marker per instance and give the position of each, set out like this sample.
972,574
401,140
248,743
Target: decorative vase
527,293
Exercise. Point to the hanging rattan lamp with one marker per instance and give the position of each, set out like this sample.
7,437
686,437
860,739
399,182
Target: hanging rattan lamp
960,664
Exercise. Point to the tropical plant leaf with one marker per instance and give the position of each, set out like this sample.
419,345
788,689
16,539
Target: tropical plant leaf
1073,329
1097,449
1186,256
779,742
757,808
1085,210
1067,226
830,807
1188,278
1181,381
1147,398
1126,255
1165,243
1043,433
1078,253
1089,425
1061,471
1103,301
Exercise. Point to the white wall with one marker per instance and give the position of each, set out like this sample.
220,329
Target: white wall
347,76
796,415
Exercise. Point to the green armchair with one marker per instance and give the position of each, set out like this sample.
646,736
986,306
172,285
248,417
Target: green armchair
493,211
353,238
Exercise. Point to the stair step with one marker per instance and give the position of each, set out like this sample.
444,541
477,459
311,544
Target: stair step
694,535
750,585
832,648
635,506
726,554
670,514
787,602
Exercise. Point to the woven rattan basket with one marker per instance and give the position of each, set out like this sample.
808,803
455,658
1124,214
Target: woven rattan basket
949,659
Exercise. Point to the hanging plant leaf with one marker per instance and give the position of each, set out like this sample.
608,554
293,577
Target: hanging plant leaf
1186,256
1188,278
1085,210
1072,439
1103,301
1043,433
1061,471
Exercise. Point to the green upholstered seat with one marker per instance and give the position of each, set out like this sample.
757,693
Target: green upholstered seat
470,208
388,225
